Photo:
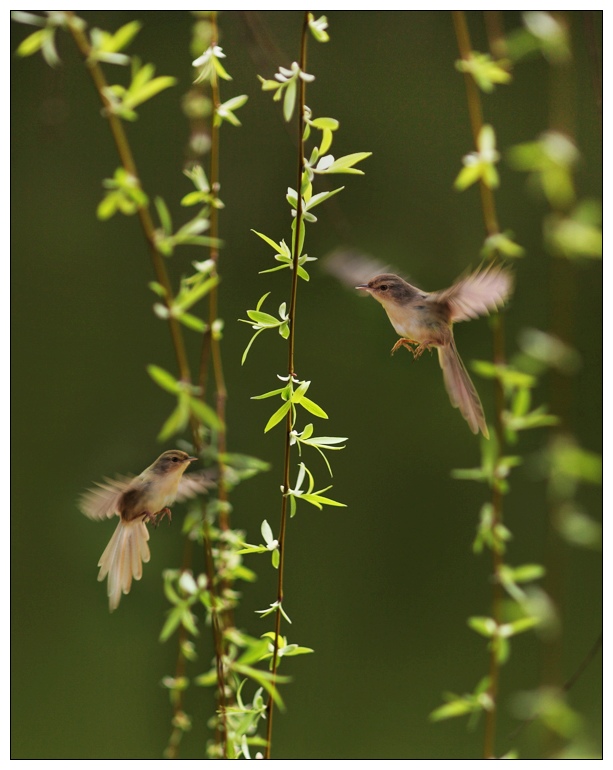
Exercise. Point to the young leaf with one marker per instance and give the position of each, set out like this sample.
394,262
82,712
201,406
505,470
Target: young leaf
163,378
278,416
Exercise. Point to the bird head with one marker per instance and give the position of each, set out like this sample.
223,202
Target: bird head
388,287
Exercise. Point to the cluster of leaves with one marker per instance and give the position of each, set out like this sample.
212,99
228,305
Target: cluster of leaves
572,230
242,653
527,606
293,393
318,163
486,72
189,596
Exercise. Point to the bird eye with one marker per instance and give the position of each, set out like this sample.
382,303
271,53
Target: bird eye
383,288
175,459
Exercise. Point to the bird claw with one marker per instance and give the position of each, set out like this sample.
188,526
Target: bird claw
420,349
403,342
417,351
157,517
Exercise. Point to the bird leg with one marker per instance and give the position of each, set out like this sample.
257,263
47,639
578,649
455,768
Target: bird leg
157,517
420,349
406,343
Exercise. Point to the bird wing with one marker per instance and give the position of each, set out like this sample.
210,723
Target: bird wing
192,484
102,501
476,294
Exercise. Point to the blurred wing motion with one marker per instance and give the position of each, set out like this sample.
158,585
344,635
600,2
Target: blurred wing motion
352,267
193,484
123,559
476,294
102,501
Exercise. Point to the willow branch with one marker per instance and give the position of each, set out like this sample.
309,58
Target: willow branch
127,160
291,372
490,219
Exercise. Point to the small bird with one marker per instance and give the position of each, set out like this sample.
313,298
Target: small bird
425,320
137,501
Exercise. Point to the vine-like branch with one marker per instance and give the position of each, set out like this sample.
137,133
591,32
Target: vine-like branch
490,219
127,160
290,371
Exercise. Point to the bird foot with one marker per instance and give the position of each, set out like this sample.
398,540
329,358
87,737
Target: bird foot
403,342
420,349
157,517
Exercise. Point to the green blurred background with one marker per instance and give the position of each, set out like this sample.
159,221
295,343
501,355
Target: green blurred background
381,589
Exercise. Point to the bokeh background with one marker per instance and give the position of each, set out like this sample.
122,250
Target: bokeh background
381,589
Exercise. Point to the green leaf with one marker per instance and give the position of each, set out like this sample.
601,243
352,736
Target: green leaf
205,413
486,72
318,28
527,572
249,344
173,621
313,408
289,102
265,679
455,708
192,322
321,197
270,242
151,89
269,394
263,319
124,36
504,244
177,421
163,378
164,215
319,500
468,176
330,123
518,626
278,416
326,141
235,102
32,43
485,626
194,295
345,164
507,375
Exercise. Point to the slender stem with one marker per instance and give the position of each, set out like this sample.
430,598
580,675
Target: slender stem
494,28
220,384
221,619
291,372
490,219
127,160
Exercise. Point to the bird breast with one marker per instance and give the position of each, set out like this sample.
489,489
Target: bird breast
420,320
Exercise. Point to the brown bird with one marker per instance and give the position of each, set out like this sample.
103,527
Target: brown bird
425,320
137,501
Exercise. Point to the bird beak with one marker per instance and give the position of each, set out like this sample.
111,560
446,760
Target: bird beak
362,286
191,459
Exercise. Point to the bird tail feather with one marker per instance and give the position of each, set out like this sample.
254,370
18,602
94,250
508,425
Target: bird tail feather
462,392
123,559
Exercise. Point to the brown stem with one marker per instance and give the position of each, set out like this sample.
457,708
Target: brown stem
291,372
127,161
490,219
494,29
